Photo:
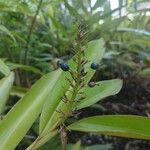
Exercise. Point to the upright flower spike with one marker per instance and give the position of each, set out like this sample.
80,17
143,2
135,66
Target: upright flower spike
77,76
77,73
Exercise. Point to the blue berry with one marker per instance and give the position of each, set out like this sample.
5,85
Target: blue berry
94,66
64,66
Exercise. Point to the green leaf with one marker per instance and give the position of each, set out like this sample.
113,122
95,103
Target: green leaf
77,146
98,4
4,68
53,144
92,147
94,18
24,67
95,51
136,31
57,25
100,91
53,100
21,117
145,72
18,91
117,125
72,10
100,147
5,87
4,29
16,7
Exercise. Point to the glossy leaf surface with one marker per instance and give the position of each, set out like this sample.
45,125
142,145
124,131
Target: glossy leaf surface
100,91
20,118
117,125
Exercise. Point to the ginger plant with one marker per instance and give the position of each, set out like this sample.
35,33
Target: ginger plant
77,74
57,96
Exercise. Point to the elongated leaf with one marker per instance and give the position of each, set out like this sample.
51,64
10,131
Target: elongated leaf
136,31
53,144
95,51
53,100
57,25
100,91
4,29
14,6
24,67
72,10
100,147
18,121
117,125
77,146
18,91
145,73
4,68
5,87
98,3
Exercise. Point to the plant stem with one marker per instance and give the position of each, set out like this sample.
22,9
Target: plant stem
41,140
31,31
24,59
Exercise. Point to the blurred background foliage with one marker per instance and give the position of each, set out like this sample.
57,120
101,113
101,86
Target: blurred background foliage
35,33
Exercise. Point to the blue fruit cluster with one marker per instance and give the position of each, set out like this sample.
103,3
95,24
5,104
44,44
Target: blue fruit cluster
65,66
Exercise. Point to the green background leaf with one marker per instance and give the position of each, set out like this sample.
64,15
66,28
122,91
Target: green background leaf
4,68
4,29
5,88
145,72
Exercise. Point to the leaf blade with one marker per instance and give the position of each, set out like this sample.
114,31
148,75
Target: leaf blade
4,68
24,67
15,125
116,125
4,29
5,88
100,91
18,91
